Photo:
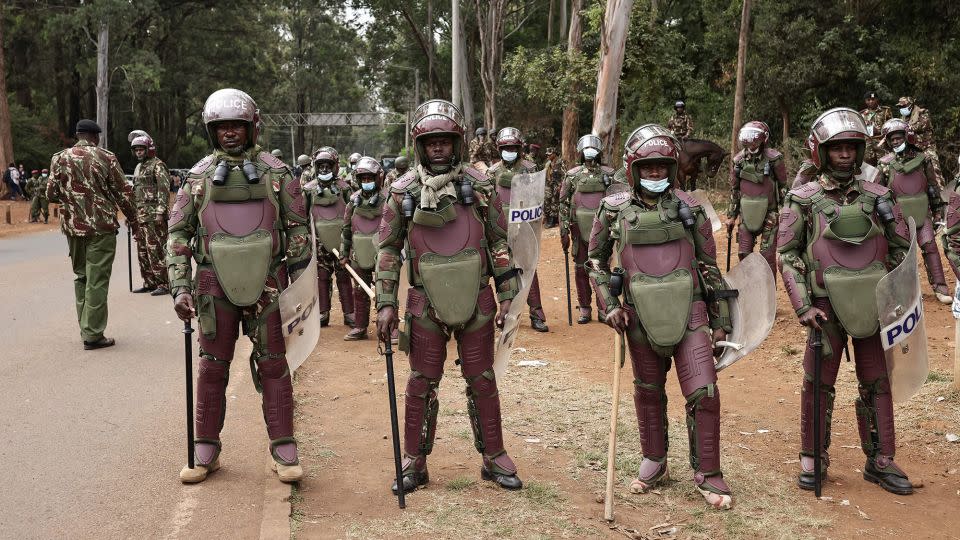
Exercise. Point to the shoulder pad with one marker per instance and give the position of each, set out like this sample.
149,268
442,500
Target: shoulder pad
875,188
772,154
403,182
575,170
271,160
607,170
202,165
493,168
617,199
475,174
806,191
527,164
887,158
687,198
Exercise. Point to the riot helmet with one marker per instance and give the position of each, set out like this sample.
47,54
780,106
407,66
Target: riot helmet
590,148
327,154
367,165
895,125
651,143
437,117
231,104
753,137
836,125
144,141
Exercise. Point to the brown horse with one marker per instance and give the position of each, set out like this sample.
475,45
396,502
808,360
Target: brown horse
693,151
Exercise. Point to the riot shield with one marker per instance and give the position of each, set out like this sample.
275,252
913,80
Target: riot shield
753,311
700,195
525,221
903,330
298,312
868,173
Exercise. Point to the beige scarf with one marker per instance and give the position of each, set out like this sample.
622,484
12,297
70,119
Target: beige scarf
437,186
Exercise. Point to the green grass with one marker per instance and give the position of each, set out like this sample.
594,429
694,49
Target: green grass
461,483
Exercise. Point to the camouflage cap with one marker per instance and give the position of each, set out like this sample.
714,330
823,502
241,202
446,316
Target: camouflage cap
88,126
551,151
905,101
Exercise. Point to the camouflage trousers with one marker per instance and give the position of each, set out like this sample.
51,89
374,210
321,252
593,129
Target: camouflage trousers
151,237
551,199
39,204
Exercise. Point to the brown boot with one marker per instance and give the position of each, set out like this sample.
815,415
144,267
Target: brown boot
356,334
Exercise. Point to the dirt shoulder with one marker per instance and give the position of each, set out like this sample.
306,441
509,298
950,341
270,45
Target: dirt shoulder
20,219
556,419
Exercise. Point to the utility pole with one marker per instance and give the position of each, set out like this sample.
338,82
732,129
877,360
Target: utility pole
103,80
456,76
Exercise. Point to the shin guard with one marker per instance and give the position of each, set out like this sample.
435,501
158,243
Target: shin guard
361,302
325,289
703,428
278,407
650,399
533,300
582,281
420,415
212,378
933,264
745,242
875,404
345,290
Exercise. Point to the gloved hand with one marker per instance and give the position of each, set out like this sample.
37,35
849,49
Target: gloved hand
565,240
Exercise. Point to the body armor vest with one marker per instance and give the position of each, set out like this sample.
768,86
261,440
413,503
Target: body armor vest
145,182
328,209
909,183
448,256
757,192
846,259
587,196
657,255
239,234
365,222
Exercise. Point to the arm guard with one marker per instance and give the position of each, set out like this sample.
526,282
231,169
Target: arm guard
780,179
898,236
180,234
951,236
602,237
563,212
293,210
346,232
706,252
791,242
393,230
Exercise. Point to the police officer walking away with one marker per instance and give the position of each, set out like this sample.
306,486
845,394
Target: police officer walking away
89,185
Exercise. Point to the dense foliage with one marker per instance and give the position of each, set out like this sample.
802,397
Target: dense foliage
166,56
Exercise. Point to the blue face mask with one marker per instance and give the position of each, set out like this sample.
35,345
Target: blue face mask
369,186
655,186
900,148
590,153
905,111
326,176
508,155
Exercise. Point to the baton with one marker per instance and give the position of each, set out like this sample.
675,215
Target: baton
616,287
356,277
729,247
566,267
130,261
188,365
817,455
391,390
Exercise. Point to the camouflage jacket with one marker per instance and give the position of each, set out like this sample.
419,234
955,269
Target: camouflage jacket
89,185
922,126
607,234
36,187
681,125
556,170
393,232
875,118
151,188
569,187
478,151
185,230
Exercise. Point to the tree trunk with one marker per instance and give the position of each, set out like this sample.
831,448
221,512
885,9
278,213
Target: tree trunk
741,76
461,74
103,81
550,23
571,113
6,137
490,24
613,40
456,31
785,117
563,16
430,50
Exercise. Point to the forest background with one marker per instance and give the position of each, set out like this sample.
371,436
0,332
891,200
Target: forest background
521,63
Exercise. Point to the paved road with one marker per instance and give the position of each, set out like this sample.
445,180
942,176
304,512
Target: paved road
93,440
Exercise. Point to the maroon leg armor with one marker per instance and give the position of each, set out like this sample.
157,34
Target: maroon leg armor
650,399
698,378
875,405
361,302
834,336
274,375
745,242
931,256
581,278
345,290
428,351
325,289
212,377
533,300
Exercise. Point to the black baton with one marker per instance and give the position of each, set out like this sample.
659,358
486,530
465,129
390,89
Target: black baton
566,267
130,260
391,390
188,368
817,454
729,247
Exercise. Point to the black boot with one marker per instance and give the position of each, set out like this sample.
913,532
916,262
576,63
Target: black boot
585,316
143,289
504,475
412,476
883,471
538,324
806,478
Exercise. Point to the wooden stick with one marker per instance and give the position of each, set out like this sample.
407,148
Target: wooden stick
357,278
614,413
956,355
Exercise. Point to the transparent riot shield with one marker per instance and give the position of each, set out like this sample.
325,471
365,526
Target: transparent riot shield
298,312
701,196
524,224
903,330
752,311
